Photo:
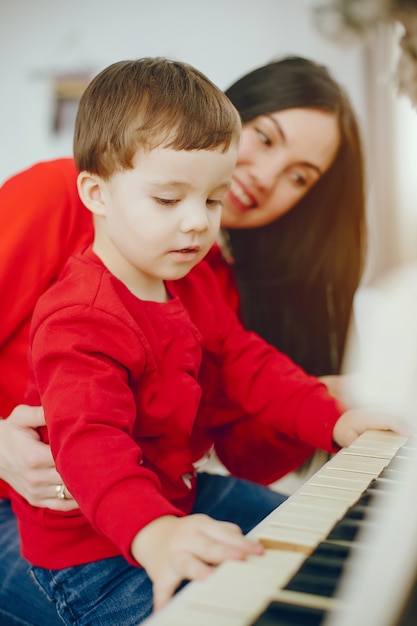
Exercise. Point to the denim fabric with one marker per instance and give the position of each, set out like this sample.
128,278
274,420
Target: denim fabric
21,602
235,500
110,591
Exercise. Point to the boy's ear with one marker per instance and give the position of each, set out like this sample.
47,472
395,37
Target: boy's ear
91,192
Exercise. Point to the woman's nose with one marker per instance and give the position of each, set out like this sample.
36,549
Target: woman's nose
265,171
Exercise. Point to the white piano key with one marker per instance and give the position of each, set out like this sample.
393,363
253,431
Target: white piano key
321,491
297,598
283,538
353,463
369,451
331,506
308,509
331,479
231,588
304,522
382,438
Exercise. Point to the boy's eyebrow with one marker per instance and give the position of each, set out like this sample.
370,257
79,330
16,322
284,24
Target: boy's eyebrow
223,186
284,139
168,184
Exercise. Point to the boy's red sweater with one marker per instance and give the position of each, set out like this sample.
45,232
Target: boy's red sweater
136,392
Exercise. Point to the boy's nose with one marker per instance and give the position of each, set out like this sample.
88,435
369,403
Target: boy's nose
195,219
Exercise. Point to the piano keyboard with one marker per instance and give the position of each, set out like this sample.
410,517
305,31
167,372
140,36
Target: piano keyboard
307,541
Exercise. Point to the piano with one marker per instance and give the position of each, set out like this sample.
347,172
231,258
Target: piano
326,548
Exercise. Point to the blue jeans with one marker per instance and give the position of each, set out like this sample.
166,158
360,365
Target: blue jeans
21,602
111,591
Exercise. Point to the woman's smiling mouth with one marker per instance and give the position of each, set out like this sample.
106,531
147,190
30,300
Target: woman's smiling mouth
241,196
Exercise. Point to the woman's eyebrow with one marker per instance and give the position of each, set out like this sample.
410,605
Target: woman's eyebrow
284,139
278,127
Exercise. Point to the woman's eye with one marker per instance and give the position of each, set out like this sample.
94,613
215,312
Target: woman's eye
263,137
298,179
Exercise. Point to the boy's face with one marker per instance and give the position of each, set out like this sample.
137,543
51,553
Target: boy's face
160,218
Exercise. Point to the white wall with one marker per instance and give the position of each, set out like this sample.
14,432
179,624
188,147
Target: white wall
223,38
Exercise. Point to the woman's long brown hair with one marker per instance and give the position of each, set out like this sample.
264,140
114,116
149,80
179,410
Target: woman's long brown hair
297,276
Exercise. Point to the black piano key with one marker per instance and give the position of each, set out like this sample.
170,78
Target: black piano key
358,511
318,576
322,571
366,498
335,550
282,614
346,529
386,484
375,490
323,565
314,584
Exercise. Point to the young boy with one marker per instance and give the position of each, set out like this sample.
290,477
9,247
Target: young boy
133,349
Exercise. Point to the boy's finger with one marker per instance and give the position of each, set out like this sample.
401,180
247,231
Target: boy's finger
214,551
187,568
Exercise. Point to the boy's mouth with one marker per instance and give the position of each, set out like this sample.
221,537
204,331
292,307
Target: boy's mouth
186,254
190,249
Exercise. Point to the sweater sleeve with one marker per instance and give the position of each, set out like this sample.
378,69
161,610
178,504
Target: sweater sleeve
269,405
42,222
273,391
84,359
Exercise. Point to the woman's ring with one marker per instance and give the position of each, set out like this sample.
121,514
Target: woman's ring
60,491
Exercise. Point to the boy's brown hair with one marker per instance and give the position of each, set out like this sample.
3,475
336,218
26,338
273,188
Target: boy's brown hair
146,103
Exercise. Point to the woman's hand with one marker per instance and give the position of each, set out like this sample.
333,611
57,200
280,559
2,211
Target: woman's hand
26,463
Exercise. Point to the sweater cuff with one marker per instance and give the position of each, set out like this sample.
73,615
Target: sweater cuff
128,508
316,425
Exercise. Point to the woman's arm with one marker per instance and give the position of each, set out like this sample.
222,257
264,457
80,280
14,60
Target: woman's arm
42,222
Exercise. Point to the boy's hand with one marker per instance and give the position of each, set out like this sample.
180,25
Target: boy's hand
354,422
173,549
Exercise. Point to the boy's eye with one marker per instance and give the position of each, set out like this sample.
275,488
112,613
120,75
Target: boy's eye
214,203
166,201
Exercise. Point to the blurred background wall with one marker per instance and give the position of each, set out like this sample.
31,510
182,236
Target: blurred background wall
49,47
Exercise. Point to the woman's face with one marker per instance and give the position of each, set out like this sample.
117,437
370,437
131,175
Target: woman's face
281,156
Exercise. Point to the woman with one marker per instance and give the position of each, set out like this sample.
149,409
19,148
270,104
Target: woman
300,161
297,275
294,221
